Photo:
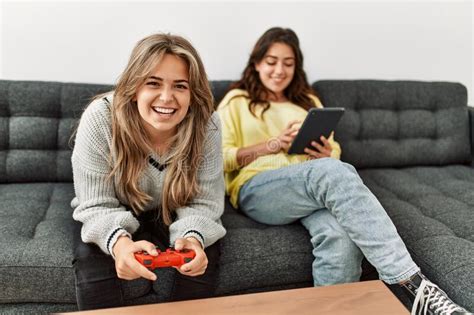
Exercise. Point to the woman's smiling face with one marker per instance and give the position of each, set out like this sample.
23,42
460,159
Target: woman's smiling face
163,99
277,68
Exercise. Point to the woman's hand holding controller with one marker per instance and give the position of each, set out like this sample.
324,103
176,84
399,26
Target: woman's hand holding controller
127,267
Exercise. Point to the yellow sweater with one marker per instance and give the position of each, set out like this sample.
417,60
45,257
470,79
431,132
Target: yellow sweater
241,129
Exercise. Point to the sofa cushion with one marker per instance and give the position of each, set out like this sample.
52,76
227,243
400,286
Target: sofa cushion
257,257
36,233
36,226
219,89
433,210
399,123
36,122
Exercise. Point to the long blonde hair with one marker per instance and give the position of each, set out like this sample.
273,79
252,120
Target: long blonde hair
131,146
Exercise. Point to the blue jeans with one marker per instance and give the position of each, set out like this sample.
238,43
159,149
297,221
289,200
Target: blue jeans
345,220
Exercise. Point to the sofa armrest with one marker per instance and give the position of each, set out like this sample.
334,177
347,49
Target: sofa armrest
471,131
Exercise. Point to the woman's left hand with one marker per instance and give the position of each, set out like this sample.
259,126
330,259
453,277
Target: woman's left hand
321,151
198,265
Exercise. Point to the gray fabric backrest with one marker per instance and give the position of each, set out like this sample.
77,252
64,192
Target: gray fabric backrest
219,89
36,122
399,123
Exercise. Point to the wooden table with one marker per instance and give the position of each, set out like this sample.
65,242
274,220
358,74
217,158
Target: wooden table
368,297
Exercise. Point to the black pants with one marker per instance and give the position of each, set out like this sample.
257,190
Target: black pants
97,284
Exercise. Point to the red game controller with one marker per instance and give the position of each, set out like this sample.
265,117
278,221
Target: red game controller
169,258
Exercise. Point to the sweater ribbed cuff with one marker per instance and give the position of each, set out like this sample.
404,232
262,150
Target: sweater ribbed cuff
196,235
113,237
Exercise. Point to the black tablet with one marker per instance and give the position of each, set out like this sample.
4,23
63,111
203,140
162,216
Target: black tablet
319,122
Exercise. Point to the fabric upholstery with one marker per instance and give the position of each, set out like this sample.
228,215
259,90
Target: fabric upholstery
431,205
36,122
471,122
219,89
399,123
36,242
253,254
433,210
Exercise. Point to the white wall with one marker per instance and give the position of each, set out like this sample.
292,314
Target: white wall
91,41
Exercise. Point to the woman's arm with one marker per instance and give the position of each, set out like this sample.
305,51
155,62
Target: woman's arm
106,222
96,205
235,155
246,155
230,130
249,154
201,217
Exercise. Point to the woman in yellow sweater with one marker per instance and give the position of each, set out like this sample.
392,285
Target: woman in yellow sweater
260,117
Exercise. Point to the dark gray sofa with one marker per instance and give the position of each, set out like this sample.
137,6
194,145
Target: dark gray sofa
411,142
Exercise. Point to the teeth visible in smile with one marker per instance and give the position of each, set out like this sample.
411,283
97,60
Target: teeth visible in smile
164,110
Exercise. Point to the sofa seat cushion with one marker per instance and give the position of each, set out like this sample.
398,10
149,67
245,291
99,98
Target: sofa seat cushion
258,257
36,232
433,210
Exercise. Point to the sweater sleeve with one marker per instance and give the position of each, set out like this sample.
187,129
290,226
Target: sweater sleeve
96,205
229,133
201,217
336,148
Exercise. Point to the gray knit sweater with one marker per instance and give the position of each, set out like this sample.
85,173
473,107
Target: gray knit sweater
104,214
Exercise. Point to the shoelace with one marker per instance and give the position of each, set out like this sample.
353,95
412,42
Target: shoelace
431,297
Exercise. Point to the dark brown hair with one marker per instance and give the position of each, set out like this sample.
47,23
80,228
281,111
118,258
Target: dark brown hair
297,91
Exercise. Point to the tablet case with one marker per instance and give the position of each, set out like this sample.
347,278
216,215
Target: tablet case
319,122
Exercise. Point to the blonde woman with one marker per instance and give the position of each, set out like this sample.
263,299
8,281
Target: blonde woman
147,171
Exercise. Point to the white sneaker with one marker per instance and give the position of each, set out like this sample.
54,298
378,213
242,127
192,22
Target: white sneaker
430,299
